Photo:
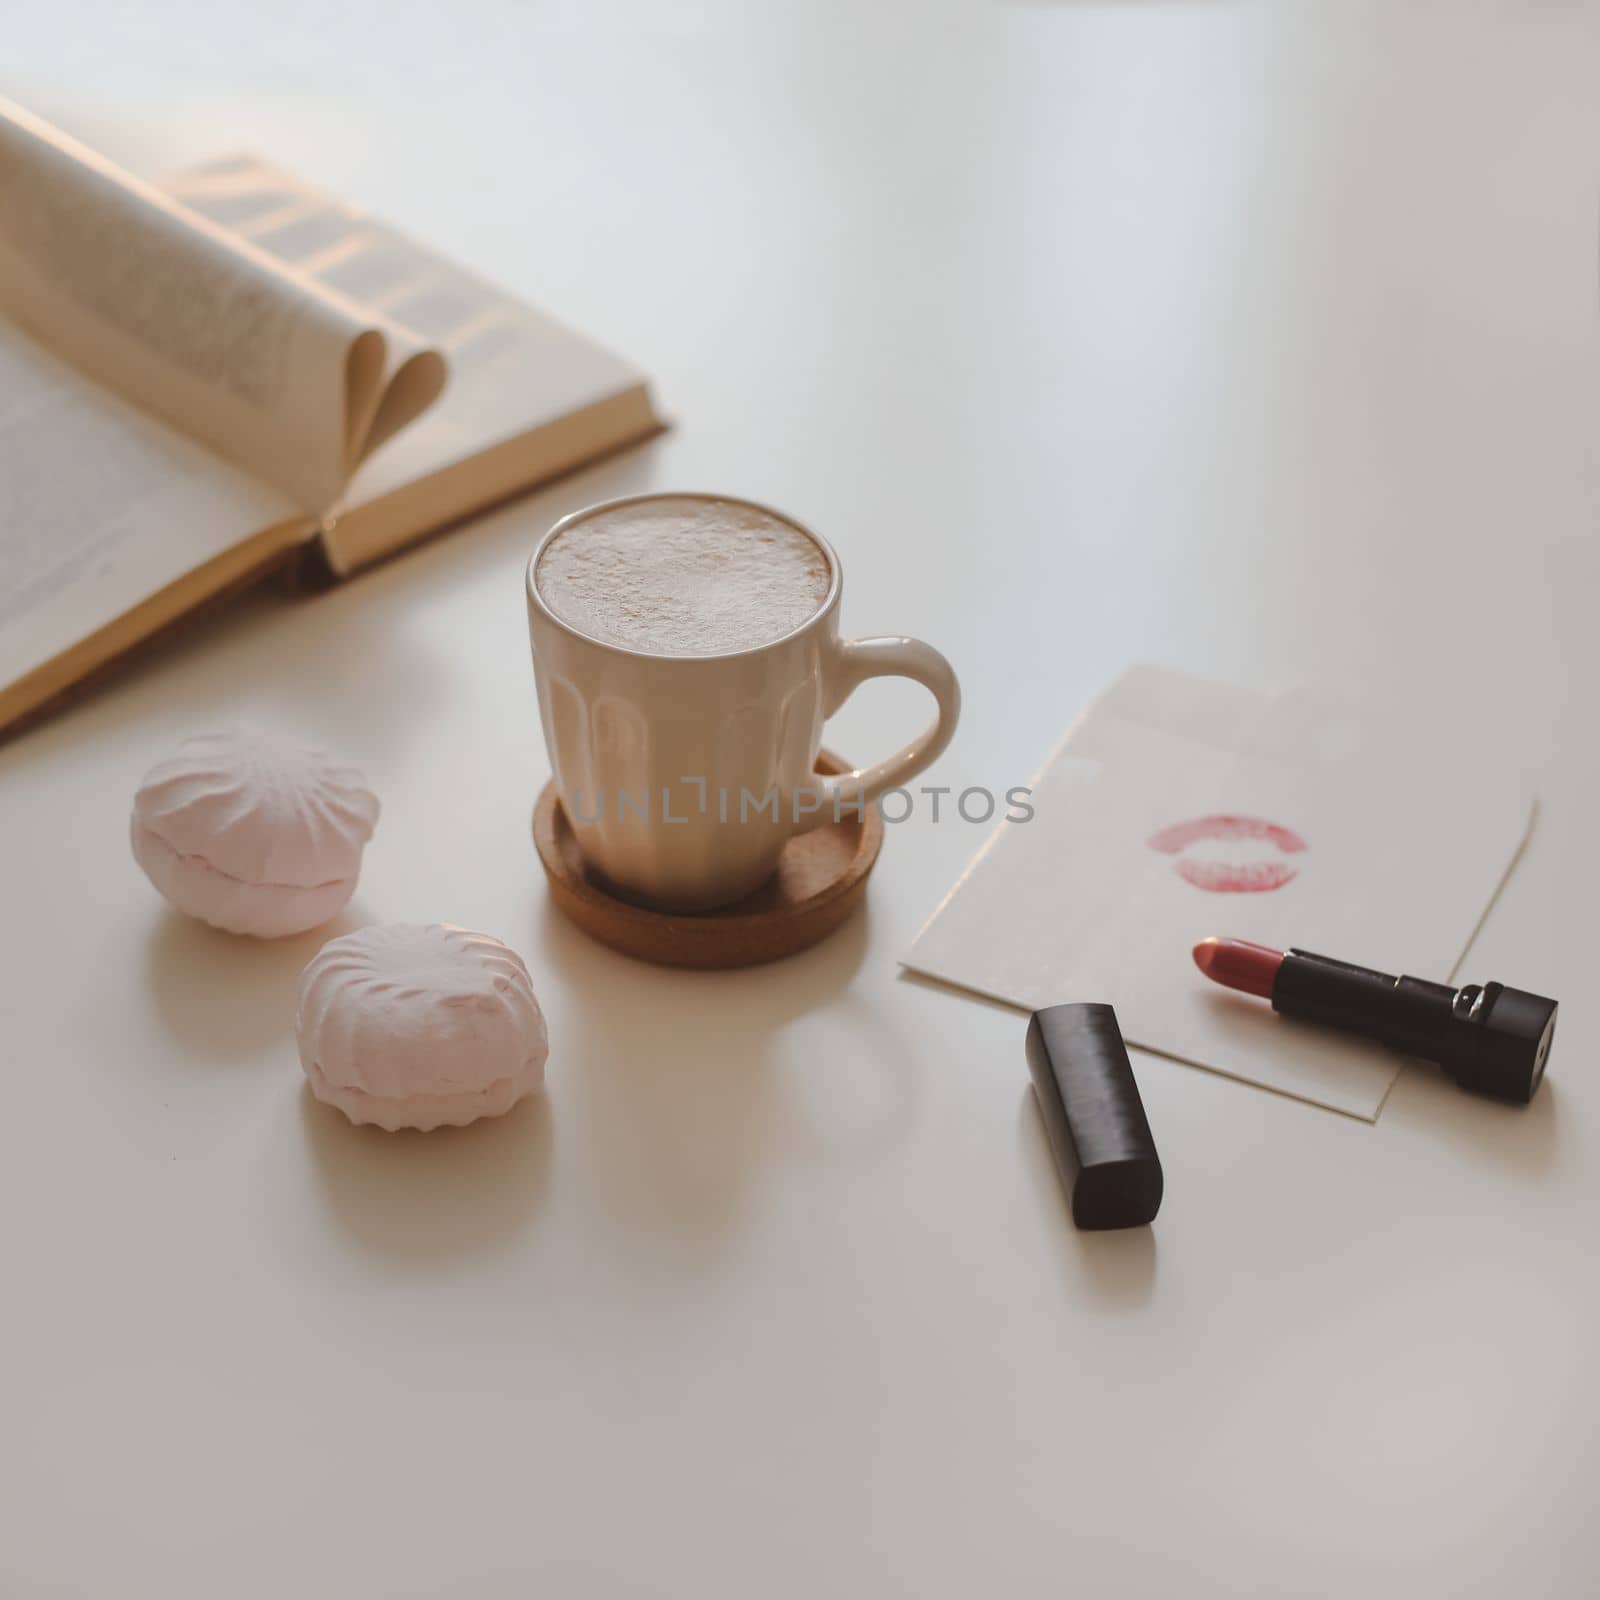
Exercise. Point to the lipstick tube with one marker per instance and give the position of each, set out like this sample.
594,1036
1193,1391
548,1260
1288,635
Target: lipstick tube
1491,1039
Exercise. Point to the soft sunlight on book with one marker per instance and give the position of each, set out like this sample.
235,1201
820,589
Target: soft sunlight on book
200,381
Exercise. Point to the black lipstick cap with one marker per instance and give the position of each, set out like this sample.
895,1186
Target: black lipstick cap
1093,1115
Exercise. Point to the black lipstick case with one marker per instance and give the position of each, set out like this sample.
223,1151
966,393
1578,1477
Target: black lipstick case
1491,1039
1093,1116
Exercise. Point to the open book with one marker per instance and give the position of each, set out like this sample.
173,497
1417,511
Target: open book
194,382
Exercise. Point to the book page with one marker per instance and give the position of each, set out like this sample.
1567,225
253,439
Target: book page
101,507
513,370
281,375
191,383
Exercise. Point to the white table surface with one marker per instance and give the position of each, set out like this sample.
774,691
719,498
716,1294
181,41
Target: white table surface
1259,342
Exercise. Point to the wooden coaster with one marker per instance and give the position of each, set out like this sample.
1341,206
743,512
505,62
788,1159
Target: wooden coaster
821,879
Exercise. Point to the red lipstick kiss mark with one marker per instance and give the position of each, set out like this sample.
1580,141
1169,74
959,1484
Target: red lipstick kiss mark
1227,877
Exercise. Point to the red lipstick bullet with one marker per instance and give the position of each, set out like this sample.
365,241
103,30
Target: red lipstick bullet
1238,964
1491,1039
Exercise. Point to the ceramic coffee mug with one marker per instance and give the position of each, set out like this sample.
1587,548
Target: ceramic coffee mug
684,775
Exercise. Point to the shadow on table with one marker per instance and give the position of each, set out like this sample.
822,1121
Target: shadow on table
1117,1264
1521,1139
680,1090
427,1199
225,995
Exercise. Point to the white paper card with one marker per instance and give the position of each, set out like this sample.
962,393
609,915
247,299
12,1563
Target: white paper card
1176,809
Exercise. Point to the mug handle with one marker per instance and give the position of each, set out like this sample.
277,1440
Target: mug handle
851,663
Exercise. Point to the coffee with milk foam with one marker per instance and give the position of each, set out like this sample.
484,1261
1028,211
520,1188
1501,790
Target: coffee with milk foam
678,576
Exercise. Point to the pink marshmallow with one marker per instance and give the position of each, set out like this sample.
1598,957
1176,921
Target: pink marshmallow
407,1026
252,832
